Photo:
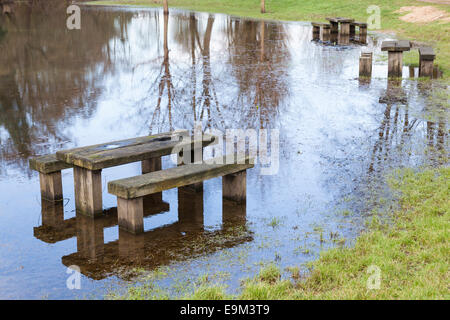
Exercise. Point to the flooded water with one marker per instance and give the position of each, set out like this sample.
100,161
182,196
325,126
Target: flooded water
134,72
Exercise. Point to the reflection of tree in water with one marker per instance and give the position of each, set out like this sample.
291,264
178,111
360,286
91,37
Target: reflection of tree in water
194,92
258,57
403,138
48,74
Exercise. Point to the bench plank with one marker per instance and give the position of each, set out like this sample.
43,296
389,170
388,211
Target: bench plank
48,164
340,20
121,152
402,45
158,181
427,53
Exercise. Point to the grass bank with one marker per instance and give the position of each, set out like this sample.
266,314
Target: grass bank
435,33
410,253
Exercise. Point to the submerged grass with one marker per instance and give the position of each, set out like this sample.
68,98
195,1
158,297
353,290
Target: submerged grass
411,251
435,33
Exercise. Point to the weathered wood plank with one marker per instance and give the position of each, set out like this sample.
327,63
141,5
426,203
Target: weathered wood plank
234,186
395,64
51,186
139,186
131,214
48,164
359,24
402,45
340,20
88,191
116,153
427,53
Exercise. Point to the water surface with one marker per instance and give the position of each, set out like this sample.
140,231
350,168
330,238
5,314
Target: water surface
134,72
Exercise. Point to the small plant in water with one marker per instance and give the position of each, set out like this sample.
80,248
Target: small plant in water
274,222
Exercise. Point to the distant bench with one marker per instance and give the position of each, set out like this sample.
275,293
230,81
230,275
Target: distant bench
131,191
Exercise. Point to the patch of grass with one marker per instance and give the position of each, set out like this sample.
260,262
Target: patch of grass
275,222
434,33
411,253
205,292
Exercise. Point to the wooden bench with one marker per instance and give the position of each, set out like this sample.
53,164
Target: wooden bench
395,56
362,26
89,161
130,191
321,31
49,168
365,64
426,61
344,22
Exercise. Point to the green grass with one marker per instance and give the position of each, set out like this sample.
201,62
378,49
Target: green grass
411,250
436,34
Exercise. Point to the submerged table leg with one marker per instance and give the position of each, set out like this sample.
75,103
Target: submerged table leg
88,191
151,165
51,186
131,214
234,187
395,64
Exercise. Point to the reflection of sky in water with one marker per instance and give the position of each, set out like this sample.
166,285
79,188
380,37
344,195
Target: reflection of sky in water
329,127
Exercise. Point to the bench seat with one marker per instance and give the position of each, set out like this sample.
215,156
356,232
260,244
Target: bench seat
49,168
131,191
48,164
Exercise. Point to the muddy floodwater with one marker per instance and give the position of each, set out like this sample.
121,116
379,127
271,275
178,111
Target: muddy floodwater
134,72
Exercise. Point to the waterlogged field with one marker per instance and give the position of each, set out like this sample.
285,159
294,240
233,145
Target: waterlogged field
134,72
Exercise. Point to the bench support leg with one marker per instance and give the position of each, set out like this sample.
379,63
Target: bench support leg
234,186
334,31
345,28
395,64
88,191
131,214
196,154
426,68
316,33
365,66
352,31
151,165
363,35
51,186
325,34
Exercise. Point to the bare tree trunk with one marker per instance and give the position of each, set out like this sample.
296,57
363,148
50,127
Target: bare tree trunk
263,6
166,6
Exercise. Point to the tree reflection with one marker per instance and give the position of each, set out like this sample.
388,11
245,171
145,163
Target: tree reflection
258,58
48,74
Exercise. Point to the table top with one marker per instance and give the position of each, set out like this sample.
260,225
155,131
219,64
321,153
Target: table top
340,20
116,153
401,45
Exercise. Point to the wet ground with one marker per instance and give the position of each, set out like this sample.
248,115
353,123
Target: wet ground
133,72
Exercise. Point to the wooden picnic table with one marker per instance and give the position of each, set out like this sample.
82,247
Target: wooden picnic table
89,161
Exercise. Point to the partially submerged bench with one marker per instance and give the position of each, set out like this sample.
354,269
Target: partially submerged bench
362,26
395,56
344,22
426,61
321,31
365,64
49,168
130,191
89,161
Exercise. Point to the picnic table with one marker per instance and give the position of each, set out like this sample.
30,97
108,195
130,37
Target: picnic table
89,161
